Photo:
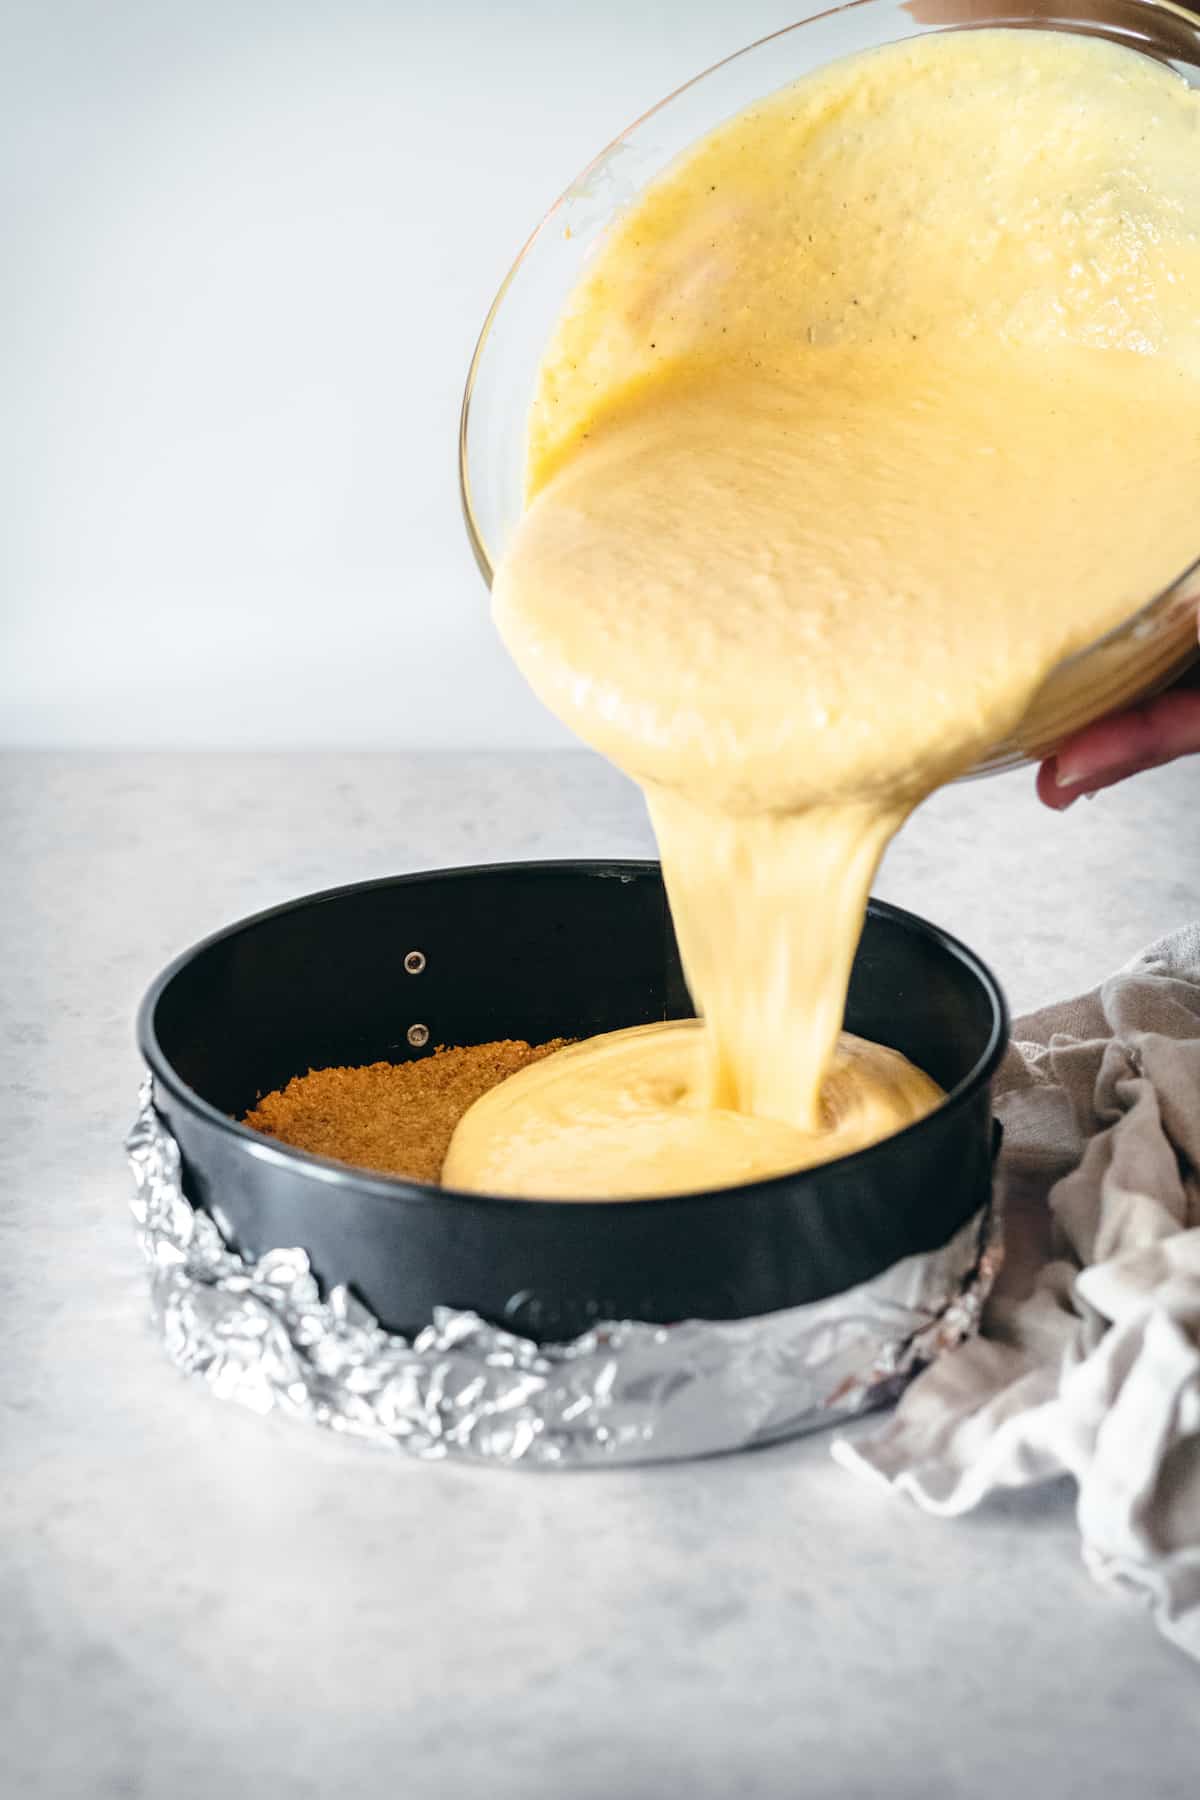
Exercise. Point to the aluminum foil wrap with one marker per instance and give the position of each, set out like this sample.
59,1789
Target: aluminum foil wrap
625,1392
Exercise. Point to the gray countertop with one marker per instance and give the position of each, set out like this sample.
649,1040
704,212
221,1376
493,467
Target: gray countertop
198,1602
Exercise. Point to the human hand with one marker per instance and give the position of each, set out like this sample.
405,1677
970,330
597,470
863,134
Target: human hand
1124,744
1172,37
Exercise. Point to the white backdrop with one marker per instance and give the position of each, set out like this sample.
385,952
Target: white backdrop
248,247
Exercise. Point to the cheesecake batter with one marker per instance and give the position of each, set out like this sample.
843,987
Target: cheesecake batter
878,404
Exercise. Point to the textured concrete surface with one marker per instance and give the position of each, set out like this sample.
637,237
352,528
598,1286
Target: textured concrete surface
197,1603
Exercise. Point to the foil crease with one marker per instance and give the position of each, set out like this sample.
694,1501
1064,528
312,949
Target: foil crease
263,1335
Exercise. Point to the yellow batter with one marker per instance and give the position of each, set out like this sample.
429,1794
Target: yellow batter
878,404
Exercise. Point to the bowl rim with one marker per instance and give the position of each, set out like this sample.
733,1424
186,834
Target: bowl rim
1076,25
394,1188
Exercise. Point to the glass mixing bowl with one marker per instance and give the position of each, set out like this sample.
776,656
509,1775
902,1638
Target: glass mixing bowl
1141,656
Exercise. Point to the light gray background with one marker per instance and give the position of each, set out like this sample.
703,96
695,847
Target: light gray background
248,247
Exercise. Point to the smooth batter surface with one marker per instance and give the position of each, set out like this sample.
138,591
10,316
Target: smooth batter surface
877,405
624,1114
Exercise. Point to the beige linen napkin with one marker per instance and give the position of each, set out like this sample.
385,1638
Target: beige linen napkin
1089,1362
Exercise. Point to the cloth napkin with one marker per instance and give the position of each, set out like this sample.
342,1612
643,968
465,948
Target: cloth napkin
1089,1359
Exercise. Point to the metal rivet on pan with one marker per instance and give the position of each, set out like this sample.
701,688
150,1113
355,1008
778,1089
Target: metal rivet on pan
414,962
418,1035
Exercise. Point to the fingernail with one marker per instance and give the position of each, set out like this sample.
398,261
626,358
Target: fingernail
1064,798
